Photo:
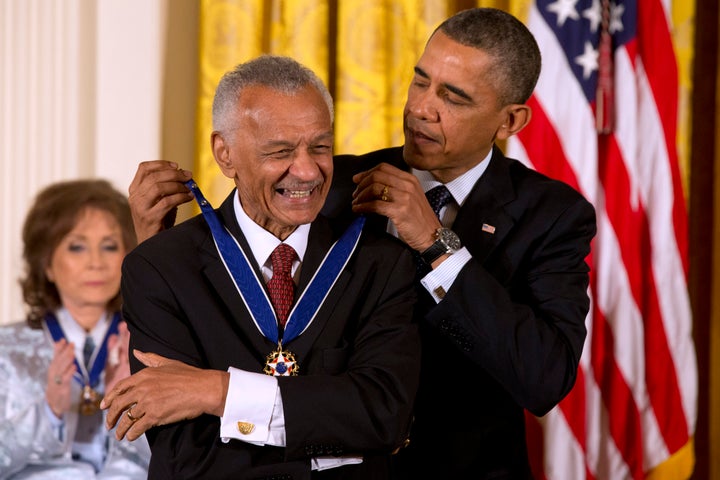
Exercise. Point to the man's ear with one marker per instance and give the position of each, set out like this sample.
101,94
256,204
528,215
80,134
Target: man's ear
221,152
518,115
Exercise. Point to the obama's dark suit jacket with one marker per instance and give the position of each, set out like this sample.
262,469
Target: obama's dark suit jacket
359,359
508,335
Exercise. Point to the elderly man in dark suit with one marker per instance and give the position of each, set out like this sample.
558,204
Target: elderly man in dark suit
501,248
319,383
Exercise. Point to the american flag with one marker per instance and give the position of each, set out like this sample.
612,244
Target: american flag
605,115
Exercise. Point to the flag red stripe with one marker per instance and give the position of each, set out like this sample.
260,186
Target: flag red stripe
543,137
536,445
545,149
633,234
573,409
656,49
547,152
624,417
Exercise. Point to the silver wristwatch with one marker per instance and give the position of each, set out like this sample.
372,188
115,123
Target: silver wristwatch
446,241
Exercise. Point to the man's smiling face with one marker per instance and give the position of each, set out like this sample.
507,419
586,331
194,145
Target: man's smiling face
280,156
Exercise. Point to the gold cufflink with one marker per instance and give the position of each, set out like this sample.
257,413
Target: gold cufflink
245,427
405,443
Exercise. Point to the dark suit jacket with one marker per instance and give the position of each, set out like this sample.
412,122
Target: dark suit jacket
359,359
509,333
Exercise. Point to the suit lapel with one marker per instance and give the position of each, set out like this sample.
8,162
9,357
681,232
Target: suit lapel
221,280
482,221
320,240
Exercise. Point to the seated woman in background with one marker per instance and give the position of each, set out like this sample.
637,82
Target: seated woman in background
55,367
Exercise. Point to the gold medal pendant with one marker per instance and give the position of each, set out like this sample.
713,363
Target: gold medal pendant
281,363
89,401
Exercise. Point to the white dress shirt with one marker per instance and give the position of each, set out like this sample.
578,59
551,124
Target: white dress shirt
255,397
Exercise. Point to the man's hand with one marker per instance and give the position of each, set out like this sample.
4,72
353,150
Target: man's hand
154,195
398,195
167,391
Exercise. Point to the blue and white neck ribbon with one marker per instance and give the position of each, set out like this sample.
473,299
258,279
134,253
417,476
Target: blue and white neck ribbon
251,288
83,376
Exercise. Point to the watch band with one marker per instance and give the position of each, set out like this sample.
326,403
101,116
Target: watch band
446,241
434,251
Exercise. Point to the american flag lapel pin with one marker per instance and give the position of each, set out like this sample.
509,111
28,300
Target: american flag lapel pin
488,228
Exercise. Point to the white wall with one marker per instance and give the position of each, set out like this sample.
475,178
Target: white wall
80,96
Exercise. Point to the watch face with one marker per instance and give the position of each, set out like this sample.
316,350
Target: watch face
450,238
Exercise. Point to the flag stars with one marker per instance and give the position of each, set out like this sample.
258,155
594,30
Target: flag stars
588,60
616,13
564,9
593,15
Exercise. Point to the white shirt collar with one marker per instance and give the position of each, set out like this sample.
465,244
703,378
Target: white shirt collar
76,334
460,187
262,243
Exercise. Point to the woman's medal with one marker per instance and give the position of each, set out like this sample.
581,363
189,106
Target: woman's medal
87,376
89,401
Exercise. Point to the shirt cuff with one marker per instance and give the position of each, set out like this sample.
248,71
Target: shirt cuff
440,279
57,424
249,407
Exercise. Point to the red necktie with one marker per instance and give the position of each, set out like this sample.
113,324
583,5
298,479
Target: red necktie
281,286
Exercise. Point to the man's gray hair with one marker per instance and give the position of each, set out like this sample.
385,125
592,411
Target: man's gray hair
280,73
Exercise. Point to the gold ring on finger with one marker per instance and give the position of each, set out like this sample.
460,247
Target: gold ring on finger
130,415
384,196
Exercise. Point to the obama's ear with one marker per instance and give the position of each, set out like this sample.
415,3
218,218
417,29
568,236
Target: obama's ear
517,117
